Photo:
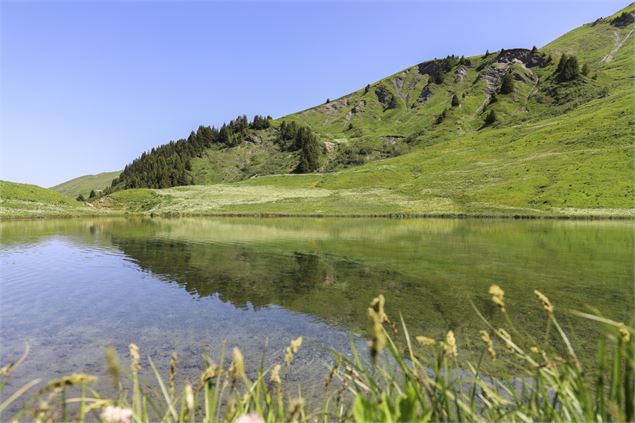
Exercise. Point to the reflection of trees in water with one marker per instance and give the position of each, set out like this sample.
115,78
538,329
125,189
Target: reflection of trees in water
234,273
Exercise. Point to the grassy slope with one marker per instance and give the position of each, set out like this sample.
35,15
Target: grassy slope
84,184
23,200
557,148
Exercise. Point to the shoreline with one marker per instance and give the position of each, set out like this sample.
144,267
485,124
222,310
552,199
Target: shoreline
414,216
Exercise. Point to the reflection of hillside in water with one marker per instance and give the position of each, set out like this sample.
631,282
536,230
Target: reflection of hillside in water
429,270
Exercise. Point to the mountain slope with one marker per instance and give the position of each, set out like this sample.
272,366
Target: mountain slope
556,146
84,184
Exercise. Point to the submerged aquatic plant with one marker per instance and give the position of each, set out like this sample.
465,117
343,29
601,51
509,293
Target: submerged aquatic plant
397,382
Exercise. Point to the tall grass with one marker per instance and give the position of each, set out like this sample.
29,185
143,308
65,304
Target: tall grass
394,382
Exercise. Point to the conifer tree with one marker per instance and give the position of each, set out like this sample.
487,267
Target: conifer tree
490,118
507,84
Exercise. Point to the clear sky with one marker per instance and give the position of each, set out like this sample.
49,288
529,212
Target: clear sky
87,86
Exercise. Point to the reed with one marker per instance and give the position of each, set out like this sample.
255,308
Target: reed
396,381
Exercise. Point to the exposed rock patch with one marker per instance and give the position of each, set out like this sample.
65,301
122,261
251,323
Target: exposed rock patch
624,19
460,74
524,56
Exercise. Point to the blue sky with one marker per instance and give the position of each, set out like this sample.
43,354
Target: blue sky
87,86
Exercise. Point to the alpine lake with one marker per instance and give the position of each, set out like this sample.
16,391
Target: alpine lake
71,288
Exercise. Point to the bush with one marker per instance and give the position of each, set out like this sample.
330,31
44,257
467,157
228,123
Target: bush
455,101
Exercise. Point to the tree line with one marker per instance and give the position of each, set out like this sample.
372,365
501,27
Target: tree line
170,164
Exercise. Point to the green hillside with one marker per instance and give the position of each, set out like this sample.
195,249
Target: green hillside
418,141
529,131
24,200
84,184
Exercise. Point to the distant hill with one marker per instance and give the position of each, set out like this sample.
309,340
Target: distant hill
84,184
24,200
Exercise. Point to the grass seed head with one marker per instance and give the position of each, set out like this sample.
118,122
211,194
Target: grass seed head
488,344
546,304
238,361
172,374
425,341
498,296
292,350
378,305
378,339
134,358
450,345
275,375
189,397
626,335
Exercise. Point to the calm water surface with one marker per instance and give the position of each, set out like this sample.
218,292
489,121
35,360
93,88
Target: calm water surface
70,288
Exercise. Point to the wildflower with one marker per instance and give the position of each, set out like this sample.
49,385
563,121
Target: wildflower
134,358
292,350
488,344
425,341
275,375
450,345
546,304
189,397
250,418
498,296
534,350
116,414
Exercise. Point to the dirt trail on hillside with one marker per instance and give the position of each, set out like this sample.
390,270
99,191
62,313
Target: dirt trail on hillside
618,44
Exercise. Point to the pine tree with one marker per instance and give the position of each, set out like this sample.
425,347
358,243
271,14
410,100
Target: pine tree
92,194
490,118
441,117
455,101
585,69
567,69
310,151
80,197
507,84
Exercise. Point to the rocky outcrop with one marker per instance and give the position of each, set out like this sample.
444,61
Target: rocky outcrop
624,19
386,97
529,58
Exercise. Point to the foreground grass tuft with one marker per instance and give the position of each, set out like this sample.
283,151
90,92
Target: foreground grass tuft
404,378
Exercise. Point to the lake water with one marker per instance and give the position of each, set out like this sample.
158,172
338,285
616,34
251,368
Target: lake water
70,288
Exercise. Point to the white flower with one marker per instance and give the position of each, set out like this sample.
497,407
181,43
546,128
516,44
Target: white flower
116,415
250,418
